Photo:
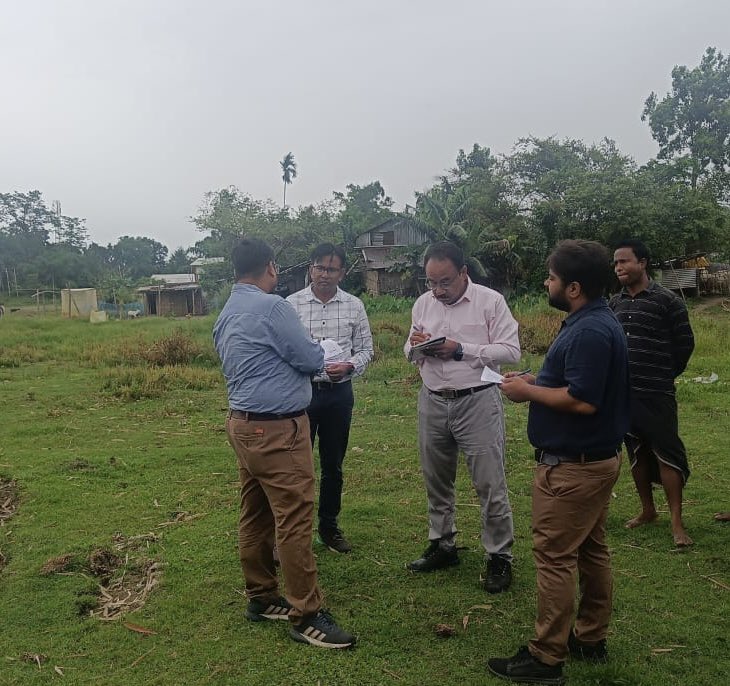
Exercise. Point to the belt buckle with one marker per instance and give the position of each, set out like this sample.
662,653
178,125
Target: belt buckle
449,393
549,460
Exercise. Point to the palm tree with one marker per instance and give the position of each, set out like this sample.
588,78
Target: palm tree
441,215
289,167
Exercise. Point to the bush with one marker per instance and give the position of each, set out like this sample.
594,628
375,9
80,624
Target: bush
177,348
538,329
136,383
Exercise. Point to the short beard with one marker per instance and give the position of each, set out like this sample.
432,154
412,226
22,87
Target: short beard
559,302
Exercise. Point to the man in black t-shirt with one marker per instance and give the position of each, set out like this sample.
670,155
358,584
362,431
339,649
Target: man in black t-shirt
660,341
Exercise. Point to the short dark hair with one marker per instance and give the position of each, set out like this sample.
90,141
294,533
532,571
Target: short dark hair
445,250
250,257
638,247
329,250
585,262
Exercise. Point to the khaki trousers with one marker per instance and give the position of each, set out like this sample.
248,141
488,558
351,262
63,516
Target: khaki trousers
569,510
277,505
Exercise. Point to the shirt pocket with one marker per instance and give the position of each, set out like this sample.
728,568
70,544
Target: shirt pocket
472,333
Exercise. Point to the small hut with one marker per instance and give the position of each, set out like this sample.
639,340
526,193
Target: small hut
379,247
175,295
78,303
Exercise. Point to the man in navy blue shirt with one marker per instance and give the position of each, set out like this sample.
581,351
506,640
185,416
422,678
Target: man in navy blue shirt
578,416
268,360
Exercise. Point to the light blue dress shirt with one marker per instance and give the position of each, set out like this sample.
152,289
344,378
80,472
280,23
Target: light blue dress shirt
268,356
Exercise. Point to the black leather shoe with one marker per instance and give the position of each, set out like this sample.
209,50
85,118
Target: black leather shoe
523,668
498,575
434,557
592,652
335,541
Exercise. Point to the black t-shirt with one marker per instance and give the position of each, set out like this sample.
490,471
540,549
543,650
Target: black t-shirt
658,334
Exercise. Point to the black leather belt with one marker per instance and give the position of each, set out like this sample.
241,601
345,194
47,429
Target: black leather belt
328,385
551,459
451,393
263,416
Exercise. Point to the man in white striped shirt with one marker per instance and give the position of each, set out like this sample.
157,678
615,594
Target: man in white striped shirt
331,314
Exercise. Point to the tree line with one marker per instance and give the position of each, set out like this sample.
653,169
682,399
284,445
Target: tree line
507,211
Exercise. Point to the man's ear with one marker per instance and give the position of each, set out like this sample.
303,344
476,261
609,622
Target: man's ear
574,290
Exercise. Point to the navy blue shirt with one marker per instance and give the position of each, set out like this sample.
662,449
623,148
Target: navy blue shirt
268,356
590,357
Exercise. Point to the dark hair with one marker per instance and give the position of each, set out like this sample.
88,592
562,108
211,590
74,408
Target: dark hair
329,250
585,262
445,250
639,249
250,257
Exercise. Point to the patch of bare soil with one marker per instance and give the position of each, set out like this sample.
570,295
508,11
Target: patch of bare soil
9,499
124,580
128,590
57,565
711,301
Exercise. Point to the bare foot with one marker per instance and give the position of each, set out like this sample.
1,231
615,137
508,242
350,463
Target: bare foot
681,539
640,520
722,516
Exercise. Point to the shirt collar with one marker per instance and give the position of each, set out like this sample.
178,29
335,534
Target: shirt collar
649,289
311,297
247,287
597,304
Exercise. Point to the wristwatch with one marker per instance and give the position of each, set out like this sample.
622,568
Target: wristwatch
459,352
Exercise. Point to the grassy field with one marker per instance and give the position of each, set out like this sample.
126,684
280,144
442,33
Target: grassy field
118,509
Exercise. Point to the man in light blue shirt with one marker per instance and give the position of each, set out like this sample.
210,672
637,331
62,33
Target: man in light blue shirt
268,360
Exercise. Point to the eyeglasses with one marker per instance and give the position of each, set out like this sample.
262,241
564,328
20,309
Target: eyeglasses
321,269
442,285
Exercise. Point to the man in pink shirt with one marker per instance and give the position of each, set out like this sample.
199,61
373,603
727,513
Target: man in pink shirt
459,411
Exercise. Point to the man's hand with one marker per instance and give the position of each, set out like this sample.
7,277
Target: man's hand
338,370
517,388
418,337
445,351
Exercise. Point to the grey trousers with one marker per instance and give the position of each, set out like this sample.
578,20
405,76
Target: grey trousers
473,424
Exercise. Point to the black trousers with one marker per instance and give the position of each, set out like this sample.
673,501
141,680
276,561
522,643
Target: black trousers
330,416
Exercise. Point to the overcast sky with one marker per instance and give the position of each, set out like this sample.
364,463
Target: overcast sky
128,112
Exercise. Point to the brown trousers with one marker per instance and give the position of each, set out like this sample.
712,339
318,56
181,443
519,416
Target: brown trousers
277,505
569,510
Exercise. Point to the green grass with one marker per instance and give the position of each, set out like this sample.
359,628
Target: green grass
103,444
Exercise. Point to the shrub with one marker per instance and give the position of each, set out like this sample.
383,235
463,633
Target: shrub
177,348
538,329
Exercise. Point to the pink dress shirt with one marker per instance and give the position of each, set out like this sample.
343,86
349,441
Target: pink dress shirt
481,321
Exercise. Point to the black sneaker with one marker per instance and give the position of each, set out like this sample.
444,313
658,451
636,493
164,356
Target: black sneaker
320,630
523,668
334,540
592,652
434,557
497,576
259,609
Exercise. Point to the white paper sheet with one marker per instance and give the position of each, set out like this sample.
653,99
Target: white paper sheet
490,376
332,351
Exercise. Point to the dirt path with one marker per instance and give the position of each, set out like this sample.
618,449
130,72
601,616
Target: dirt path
711,301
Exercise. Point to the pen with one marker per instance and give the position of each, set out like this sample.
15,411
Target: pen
525,371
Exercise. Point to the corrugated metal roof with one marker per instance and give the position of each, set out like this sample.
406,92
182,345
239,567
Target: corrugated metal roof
174,278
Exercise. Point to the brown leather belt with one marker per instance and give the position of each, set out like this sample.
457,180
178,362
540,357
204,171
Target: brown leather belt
551,459
263,416
451,393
